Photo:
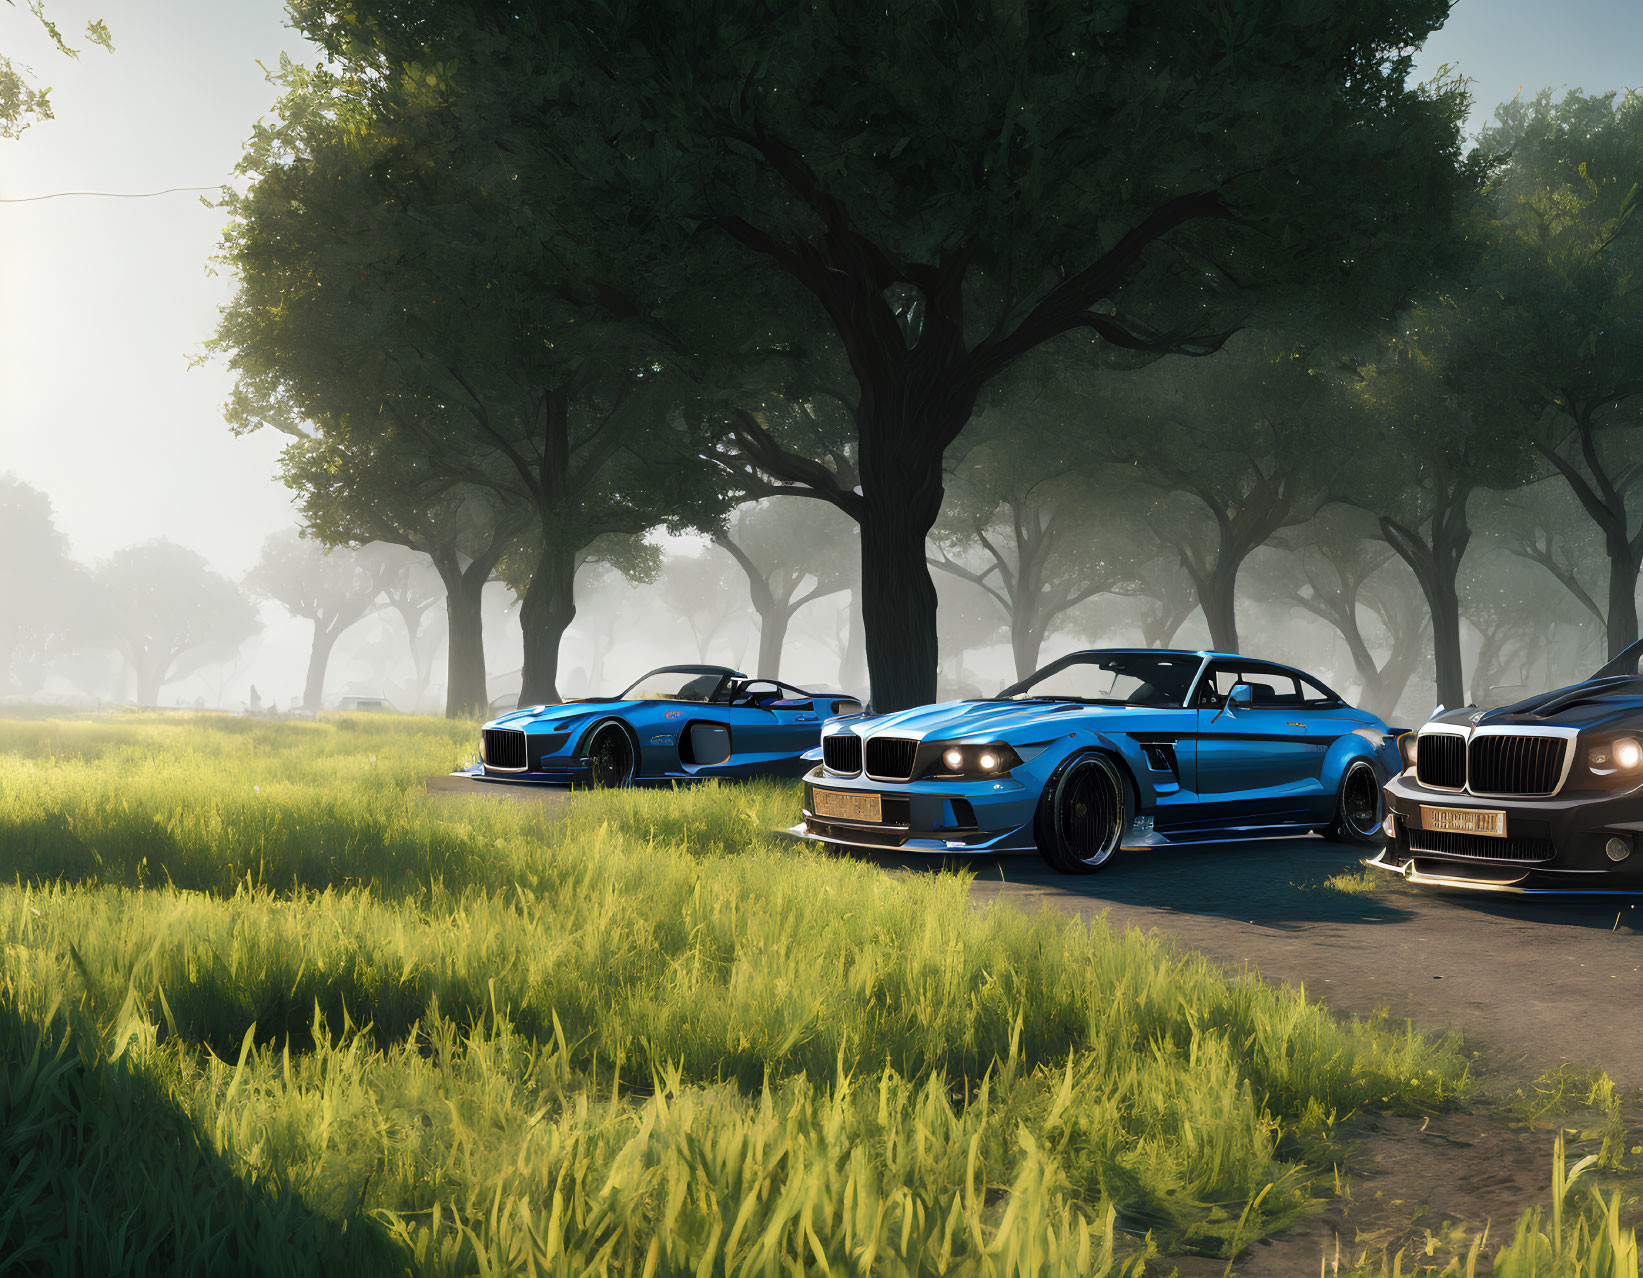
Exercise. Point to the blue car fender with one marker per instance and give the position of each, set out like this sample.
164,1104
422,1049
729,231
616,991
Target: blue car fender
1360,743
1123,751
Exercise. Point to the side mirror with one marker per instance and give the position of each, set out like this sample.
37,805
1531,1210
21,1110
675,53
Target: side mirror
1241,696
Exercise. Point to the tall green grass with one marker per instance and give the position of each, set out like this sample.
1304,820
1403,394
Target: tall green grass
639,1035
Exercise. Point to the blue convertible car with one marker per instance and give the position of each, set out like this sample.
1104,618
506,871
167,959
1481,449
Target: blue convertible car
1106,749
679,723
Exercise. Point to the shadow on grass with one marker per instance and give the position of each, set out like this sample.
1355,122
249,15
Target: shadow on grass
100,1173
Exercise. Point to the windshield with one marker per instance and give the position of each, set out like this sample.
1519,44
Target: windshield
1115,678
1627,663
674,685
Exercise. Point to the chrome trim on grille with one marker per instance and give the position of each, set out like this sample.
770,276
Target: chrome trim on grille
524,749
1569,735
848,743
1468,735
1443,730
910,743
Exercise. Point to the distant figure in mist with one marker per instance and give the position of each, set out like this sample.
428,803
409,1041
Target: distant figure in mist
255,704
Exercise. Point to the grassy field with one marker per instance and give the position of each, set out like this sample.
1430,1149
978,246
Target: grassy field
265,1007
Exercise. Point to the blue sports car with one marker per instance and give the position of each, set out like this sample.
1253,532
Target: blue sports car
679,723
1106,749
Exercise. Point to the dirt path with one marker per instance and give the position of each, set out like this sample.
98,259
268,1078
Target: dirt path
1533,982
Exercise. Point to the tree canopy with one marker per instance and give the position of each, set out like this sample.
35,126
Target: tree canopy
168,614
1070,191
1552,317
22,100
412,282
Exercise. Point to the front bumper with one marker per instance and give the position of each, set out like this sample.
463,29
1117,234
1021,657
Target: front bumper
944,818
1553,844
572,774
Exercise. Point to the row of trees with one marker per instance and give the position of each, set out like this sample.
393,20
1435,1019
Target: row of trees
582,274
166,614
523,286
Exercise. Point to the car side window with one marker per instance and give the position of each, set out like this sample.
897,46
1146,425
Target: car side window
1315,694
1212,692
1269,687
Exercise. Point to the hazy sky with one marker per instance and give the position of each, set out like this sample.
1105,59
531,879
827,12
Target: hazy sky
102,301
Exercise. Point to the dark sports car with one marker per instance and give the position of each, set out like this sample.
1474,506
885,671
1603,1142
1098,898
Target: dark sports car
1105,749
679,723
1544,795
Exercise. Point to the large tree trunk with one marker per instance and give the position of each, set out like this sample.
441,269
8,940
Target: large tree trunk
150,679
422,650
772,637
1622,618
1026,637
1444,600
319,657
466,696
1217,596
1436,562
900,503
545,614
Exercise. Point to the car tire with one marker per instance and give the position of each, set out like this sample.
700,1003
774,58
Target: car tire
1359,806
611,749
1081,816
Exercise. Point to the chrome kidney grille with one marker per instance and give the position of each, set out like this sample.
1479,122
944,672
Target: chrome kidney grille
1515,764
1441,760
505,749
891,758
841,753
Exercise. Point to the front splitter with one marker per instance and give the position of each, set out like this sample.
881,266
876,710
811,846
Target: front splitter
1515,887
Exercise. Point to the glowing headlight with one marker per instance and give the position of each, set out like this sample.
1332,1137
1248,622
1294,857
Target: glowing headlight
1623,754
978,760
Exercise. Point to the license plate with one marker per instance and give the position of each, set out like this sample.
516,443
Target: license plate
1490,821
847,807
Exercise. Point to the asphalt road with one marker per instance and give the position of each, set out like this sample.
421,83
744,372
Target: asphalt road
1532,982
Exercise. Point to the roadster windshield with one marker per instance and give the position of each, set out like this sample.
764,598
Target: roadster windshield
684,683
1111,678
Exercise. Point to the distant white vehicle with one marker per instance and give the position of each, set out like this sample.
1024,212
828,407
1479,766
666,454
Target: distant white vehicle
367,705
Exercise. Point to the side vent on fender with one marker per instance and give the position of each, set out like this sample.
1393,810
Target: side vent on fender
709,743
1160,757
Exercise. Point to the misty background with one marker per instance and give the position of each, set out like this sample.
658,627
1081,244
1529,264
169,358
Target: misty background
112,419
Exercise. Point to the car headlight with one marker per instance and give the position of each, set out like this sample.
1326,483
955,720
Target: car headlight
1623,754
989,760
1409,748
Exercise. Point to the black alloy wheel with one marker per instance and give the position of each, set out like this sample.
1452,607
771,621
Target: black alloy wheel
1082,814
611,751
1358,807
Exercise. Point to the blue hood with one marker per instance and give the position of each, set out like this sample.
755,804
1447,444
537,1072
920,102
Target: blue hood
1015,720
568,712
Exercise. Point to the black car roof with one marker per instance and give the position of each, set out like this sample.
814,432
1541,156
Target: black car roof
718,670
